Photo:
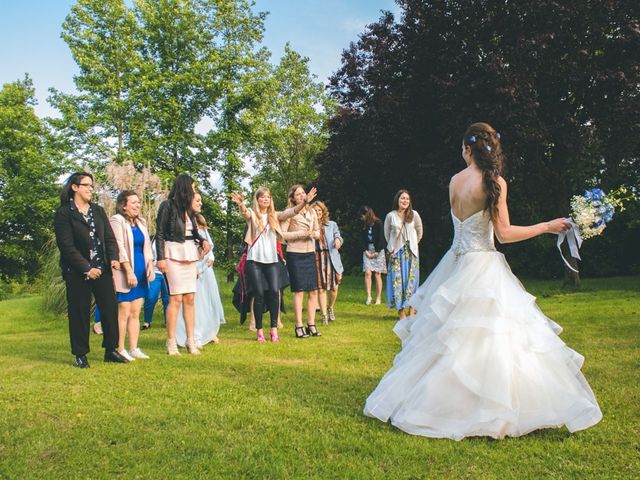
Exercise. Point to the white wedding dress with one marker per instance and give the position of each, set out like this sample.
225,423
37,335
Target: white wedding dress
480,358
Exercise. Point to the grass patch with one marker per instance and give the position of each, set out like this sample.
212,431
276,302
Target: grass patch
292,410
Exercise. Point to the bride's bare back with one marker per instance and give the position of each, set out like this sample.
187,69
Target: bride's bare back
466,193
467,196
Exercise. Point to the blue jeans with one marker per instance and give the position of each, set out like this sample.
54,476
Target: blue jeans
156,288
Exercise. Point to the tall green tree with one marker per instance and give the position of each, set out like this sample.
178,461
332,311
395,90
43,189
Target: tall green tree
291,126
104,41
29,167
559,80
177,82
242,73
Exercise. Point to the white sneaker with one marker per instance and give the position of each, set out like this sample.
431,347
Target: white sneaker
137,353
126,355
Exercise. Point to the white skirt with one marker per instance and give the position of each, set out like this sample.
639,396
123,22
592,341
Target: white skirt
480,359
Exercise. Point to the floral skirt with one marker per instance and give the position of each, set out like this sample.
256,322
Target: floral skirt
327,276
403,278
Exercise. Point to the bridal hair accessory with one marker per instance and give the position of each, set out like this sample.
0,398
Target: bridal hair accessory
488,147
472,139
498,135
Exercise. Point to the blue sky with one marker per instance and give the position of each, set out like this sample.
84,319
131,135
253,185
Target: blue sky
319,29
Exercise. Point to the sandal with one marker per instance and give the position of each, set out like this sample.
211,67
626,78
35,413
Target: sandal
301,332
312,330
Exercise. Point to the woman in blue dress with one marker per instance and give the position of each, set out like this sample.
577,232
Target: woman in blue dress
136,270
403,232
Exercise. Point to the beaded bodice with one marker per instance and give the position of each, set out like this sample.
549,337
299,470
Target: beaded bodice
474,234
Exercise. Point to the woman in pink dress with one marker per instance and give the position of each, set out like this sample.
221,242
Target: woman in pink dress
177,242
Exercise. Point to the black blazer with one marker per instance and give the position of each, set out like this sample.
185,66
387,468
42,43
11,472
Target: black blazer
170,227
379,241
74,242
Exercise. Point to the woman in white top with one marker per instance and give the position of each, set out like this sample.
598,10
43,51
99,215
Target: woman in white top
209,313
403,231
262,268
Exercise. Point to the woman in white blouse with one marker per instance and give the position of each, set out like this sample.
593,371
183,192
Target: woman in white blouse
403,232
263,268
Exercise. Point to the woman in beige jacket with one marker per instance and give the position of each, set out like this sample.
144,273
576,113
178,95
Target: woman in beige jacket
300,232
262,269
136,270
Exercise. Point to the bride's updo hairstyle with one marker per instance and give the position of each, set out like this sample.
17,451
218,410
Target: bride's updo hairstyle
487,153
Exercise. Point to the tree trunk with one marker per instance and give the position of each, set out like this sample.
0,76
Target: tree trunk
571,278
230,273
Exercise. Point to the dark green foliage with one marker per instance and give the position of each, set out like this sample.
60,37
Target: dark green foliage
29,167
559,80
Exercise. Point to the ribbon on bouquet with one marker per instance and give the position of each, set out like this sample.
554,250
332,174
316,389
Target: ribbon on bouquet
574,240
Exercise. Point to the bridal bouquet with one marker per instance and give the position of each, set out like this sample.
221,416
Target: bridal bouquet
590,214
592,211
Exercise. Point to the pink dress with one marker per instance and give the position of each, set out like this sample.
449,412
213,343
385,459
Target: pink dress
181,260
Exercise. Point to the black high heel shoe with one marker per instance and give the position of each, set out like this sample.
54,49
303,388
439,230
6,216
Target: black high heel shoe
300,332
312,330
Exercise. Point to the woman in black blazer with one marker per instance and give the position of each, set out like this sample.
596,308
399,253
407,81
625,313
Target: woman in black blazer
88,251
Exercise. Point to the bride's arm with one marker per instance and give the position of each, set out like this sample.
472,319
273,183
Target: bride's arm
507,233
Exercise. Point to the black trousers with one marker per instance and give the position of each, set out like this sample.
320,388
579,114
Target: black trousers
263,280
79,293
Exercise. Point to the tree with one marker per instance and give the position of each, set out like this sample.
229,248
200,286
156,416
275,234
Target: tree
290,126
242,72
178,82
545,74
102,119
29,168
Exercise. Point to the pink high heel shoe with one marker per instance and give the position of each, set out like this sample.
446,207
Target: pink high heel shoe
274,337
261,338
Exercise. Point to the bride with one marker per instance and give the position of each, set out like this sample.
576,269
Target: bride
480,358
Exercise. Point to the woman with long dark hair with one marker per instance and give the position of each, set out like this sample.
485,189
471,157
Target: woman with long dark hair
209,313
403,232
88,252
136,270
374,259
480,358
177,242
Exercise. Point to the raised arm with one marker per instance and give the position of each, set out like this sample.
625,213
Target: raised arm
238,199
507,233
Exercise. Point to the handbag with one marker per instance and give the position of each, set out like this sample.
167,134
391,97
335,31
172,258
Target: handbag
242,265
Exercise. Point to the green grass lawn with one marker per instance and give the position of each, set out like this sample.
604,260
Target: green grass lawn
294,409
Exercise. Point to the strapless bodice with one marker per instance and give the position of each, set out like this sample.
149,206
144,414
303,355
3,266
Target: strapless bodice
474,234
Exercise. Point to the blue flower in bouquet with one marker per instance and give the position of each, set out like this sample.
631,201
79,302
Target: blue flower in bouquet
592,211
590,214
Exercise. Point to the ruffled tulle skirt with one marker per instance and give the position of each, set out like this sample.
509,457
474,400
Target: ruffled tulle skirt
480,359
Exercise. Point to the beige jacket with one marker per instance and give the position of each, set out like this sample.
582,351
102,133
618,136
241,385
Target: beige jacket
294,231
124,237
254,228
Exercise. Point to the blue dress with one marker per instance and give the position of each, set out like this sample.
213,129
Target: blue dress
139,269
